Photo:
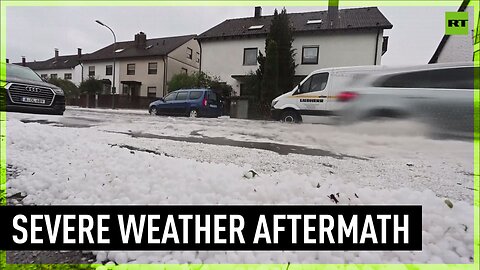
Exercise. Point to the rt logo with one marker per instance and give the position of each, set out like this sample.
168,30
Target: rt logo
456,23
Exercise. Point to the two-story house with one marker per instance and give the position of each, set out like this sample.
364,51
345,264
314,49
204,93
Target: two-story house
143,66
66,67
333,38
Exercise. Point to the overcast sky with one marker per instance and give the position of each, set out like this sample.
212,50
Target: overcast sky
34,32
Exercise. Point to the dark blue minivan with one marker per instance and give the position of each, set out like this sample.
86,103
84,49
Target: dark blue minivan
188,102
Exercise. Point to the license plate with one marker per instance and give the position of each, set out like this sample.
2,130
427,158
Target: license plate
33,100
213,106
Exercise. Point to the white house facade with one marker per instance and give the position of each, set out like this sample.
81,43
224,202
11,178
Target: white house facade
229,50
67,67
458,48
143,66
102,70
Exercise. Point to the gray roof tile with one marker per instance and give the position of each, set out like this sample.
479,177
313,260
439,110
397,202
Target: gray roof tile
355,18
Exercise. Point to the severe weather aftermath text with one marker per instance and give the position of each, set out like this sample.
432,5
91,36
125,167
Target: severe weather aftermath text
212,227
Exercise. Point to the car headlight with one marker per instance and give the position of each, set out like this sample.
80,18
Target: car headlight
58,91
274,102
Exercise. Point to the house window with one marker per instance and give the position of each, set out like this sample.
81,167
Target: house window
198,57
151,91
250,56
91,71
67,76
152,68
44,76
108,70
184,71
310,55
130,69
53,76
189,53
125,89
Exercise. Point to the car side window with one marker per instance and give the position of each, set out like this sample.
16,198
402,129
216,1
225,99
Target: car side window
195,95
170,97
319,82
182,96
448,78
305,87
316,82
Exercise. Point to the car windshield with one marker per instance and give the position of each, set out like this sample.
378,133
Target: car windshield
22,73
170,96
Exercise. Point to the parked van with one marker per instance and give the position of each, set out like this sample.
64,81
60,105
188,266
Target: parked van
188,102
320,94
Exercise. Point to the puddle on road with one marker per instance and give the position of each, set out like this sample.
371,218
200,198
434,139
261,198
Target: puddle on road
55,124
282,149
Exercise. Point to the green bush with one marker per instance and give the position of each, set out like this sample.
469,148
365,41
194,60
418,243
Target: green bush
69,88
91,86
199,80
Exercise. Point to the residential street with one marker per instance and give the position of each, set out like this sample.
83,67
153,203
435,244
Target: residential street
96,156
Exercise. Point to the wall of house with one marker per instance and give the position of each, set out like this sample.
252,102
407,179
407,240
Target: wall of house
224,58
459,48
141,74
100,71
178,61
76,73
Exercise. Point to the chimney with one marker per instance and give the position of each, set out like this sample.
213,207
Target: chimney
258,12
333,12
24,61
8,61
141,40
56,54
79,53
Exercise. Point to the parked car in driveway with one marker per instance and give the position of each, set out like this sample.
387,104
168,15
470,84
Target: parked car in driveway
25,91
188,102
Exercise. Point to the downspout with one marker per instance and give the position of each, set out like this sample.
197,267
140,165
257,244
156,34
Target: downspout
201,55
81,64
165,73
376,47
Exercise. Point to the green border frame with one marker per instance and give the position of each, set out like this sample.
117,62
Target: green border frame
3,155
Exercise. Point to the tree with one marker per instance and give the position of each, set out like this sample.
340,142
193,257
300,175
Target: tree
91,86
281,33
182,81
270,80
69,88
276,71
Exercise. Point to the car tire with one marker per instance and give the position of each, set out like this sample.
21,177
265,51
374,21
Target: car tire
193,113
290,116
153,110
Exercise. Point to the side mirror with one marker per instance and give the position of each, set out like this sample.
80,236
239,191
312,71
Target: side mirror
162,99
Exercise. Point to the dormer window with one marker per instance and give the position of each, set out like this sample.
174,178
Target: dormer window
255,27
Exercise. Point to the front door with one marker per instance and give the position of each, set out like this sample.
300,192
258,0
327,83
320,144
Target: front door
179,106
312,95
